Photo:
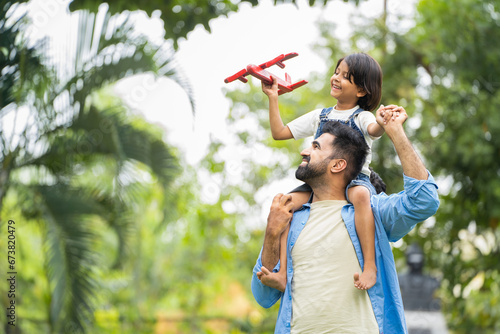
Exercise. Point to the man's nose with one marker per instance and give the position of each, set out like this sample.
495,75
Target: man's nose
305,152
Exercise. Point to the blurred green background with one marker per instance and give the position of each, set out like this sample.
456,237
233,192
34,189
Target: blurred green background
112,232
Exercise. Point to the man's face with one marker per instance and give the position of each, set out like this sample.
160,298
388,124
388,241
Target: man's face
316,158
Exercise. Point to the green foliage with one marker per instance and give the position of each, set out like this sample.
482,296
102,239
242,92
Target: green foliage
18,61
465,133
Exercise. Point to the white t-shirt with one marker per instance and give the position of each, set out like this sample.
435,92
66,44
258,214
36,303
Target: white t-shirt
324,299
307,125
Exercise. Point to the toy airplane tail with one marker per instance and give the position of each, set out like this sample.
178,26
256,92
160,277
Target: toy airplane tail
291,86
299,84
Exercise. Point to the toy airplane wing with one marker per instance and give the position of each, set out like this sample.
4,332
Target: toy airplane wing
238,76
279,60
260,73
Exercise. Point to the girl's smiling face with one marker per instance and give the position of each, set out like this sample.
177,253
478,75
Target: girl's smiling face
346,92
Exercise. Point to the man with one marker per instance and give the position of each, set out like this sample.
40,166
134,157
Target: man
323,249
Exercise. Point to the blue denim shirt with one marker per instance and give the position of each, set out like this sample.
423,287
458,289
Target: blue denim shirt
395,216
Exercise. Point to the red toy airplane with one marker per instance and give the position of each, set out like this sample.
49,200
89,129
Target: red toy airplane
260,73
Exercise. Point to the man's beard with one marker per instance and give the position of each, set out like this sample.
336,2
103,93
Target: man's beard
309,172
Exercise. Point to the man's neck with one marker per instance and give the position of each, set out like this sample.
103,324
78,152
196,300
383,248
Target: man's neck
324,191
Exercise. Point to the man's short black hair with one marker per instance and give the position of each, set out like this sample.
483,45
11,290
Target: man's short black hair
349,145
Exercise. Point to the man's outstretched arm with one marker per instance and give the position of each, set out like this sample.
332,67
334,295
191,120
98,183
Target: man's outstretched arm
410,161
399,213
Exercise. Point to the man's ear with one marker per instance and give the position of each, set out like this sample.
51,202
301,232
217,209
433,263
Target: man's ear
338,165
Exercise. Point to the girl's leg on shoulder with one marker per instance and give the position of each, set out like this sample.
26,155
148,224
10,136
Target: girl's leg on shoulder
298,199
278,280
283,260
365,228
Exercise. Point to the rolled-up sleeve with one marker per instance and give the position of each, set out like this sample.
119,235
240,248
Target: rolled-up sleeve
399,213
264,295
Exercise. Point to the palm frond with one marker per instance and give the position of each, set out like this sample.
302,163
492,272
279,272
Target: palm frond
105,132
71,261
110,134
107,49
20,64
70,134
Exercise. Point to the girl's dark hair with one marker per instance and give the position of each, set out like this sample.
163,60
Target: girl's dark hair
367,74
377,181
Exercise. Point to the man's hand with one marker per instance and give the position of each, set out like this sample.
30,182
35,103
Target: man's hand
280,215
385,114
270,90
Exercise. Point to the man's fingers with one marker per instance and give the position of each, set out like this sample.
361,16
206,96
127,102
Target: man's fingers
277,199
391,106
285,198
286,202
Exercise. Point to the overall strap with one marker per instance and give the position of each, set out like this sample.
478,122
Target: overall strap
324,113
351,122
323,118
357,112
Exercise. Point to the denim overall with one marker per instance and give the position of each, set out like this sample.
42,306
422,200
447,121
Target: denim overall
361,179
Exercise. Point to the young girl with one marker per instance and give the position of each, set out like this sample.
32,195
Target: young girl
357,87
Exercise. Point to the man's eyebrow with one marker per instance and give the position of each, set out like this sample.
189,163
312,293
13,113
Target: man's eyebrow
317,143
